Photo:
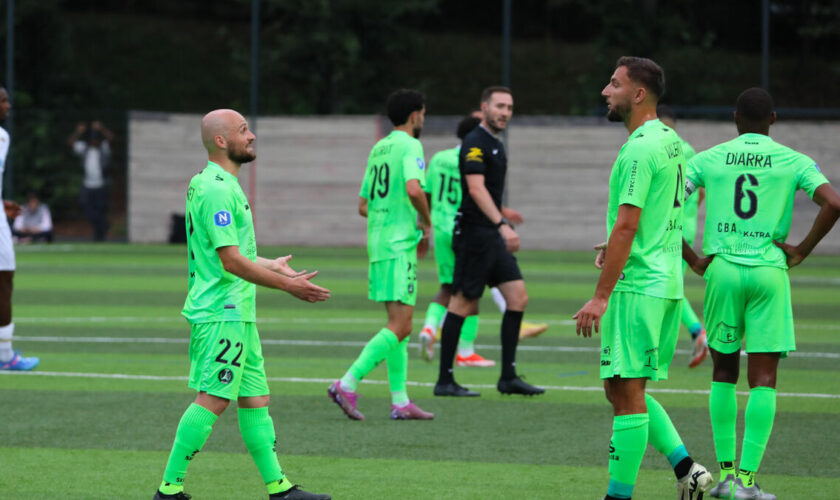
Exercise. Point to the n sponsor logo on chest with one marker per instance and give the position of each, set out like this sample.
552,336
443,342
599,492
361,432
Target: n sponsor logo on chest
222,218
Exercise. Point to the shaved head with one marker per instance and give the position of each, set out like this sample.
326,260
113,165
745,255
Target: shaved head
225,133
218,122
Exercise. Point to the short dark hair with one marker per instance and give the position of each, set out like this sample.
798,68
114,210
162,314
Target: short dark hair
755,105
665,111
401,103
646,72
466,125
489,91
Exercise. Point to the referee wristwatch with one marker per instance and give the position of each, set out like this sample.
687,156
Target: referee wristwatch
503,221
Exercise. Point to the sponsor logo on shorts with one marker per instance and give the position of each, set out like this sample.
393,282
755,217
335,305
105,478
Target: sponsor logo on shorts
621,276
230,306
605,351
225,376
222,218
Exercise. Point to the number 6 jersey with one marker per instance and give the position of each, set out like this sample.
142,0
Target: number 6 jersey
750,183
392,219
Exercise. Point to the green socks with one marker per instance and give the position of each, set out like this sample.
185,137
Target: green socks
257,431
434,315
690,319
662,433
397,361
373,353
627,447
466,343
758,422
723,410
193,430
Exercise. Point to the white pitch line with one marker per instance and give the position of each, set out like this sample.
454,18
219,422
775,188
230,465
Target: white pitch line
348,343
300,380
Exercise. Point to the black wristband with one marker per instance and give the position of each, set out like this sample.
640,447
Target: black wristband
502,222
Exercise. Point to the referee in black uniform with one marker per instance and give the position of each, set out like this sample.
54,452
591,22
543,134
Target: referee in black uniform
484,242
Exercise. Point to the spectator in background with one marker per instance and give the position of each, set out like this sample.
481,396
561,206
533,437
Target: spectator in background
34,222
91,144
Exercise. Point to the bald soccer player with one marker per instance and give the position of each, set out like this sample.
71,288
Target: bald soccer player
226,361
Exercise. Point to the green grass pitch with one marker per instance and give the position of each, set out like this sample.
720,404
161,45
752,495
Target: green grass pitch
97,419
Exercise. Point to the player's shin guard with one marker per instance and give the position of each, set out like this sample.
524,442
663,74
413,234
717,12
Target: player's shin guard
373,353
257,431
665,438
193,430
758,422
448,343
627,447
397,360
511,323
723,411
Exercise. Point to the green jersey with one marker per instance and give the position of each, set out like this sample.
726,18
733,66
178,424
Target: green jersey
648,174
692,202
392,219
750,183
443,183
218,215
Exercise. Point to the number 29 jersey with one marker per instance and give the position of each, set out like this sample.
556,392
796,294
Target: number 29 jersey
750,183
392,219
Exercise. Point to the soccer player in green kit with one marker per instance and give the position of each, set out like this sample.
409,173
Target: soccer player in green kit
638,298
392,198
750,183
690,209
226,361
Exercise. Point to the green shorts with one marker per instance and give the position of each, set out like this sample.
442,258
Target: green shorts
226,360
751,302
638,336
394,279
444,256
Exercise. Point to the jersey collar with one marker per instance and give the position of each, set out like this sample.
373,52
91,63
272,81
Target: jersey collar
218,168
644,126
755,137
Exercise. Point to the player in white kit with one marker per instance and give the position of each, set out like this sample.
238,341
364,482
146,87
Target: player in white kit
9,359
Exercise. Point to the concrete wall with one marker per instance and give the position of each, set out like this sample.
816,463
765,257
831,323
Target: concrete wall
306,181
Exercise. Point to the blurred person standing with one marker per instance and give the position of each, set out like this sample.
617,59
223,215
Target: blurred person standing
92,144
9,358
34,222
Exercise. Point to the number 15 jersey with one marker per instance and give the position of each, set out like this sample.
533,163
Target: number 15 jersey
750,183
392,219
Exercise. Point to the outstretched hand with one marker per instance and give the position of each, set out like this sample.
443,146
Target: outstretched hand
792,253
303,288
281,265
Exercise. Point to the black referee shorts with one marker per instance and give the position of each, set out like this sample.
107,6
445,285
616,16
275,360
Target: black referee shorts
481,259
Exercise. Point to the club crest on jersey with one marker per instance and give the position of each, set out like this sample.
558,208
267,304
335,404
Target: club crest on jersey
222,218
421,164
